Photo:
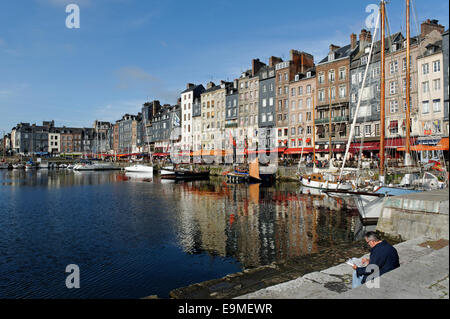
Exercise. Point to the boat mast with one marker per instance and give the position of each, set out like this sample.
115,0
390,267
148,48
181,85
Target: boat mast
408,79
329,127
382,94
314,131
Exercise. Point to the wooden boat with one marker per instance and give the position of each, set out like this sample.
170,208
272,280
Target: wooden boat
191,175
243,176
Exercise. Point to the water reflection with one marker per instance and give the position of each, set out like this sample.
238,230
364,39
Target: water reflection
135,235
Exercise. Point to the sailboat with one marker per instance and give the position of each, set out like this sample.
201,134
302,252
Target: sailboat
322,179
140,168
370,203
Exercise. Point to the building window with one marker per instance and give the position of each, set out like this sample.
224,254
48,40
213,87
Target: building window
342,73
321,95
425,107
425,87
331,76
393,87
367,130
300,90
437,84
436,66
425,68
321,78
437,105
393,127
342,92
394,106
357,131
308,89
394,67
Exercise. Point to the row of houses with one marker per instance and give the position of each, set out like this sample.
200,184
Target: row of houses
287,96
293,100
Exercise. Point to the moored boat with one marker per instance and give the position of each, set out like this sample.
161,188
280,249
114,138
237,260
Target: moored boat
139,168
90,166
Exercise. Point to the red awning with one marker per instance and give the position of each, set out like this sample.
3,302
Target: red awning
367,146
298,150
393,124
161,154
398,142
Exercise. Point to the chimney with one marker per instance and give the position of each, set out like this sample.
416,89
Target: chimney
430,25
210,85
256,66
235,84
190,86
353,41
369,37
274,60
333,47
155,107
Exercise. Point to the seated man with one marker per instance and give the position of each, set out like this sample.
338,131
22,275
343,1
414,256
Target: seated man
382,254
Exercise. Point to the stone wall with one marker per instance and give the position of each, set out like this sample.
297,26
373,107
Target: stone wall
415,215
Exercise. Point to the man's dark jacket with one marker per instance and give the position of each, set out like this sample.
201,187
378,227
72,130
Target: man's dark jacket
384,256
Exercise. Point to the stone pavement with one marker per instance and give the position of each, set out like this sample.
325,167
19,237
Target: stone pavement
423,273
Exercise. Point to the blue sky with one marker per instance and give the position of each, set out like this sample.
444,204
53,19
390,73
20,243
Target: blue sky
130,51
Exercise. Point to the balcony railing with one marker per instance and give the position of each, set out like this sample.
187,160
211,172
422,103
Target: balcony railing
334,119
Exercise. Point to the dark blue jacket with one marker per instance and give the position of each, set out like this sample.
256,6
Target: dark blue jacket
384,256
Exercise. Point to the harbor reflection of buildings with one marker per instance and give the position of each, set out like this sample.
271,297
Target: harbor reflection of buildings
57,178
258,226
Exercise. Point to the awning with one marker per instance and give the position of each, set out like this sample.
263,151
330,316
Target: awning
367,146
443,145
161,154
393,124
398,142
298,150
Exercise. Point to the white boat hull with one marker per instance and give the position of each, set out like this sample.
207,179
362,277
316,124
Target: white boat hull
324,185
139,169
95,167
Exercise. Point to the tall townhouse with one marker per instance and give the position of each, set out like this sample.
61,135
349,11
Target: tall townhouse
209,101
127,134
231,110
220,116
248,106
149,111
285,73
116,138
395,98
267,94
446,78
367,129
197,124
101,129
167,119
431,95
300,113
333,86
188,97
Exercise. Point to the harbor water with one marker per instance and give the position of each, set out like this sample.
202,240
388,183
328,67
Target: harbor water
133,236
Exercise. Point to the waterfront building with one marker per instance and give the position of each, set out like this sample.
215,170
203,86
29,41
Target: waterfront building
70,140
431,88
197,125
300,127
446,78
149,110
267,95
188,97
127,134
231,115
285,73
248,85
88,141
163,123
101,129
395,99
208,116
31,139
333,86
